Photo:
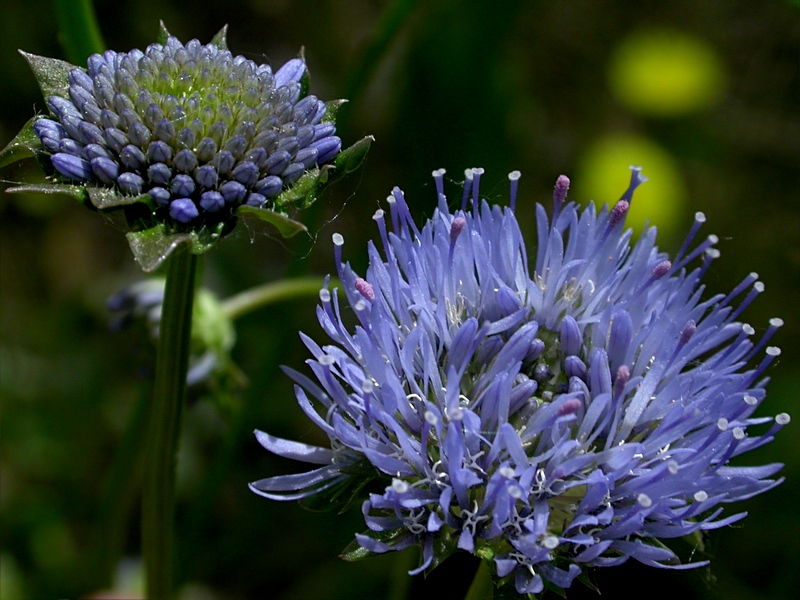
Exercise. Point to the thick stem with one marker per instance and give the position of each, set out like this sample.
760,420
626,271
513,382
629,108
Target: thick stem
170,391
481,588
262,295
79,33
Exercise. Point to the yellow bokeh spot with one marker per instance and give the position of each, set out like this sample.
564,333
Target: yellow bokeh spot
666,73
603,176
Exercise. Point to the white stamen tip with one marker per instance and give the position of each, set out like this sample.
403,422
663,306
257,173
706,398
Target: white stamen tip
776,322
550,542
399,486
325,295
507,472
773,351
468,174
748,329
700,217
515,491
751,400
438,172
672,467
644,501
359,305
758,286
514,175
378,214
456,414
367,386
783,419
338,239
326,360
713,239
738,433
431,418
390,199
478,171
722,424
700,496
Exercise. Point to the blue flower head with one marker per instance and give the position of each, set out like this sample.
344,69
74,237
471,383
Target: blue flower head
185,137
549,412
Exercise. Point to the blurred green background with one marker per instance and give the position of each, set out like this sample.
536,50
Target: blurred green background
703,94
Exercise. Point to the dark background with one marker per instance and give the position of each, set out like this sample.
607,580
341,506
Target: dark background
535,86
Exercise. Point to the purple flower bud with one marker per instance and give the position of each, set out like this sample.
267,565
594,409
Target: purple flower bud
139,134
206,150
164,130
94,150
72,167
183,210
245,173
211,201
257,156
109,119
570,335
619,338
130,183
305,135
62,108
206,176
291,71
159,174
535,351
69,146
159,195
237,145
159,151
288,144
185,160
307,157
322,131
575,367
182,186
105,169
115,139
269,186
293,172
233,191
133,158
328,148
224,161
257,200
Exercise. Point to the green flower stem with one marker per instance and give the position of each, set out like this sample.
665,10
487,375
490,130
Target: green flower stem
481,588
262,295
78,30
170,391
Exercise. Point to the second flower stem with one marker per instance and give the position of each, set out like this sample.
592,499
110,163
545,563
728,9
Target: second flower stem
165,419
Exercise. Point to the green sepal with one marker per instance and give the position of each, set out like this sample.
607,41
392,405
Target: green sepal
305,80
332,110
350,159
51,74
285,226
163,33
304,191
354,551
220,40
78,192
153,246
108,199
26,145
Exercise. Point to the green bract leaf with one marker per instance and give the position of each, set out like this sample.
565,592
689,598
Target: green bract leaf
51,74
332,109
220,40
354,552
26,145
76,191
153,246
286,226
163,33
350,159
106,199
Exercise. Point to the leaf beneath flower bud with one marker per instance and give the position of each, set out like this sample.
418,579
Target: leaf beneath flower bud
51,74
26,145
286,226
